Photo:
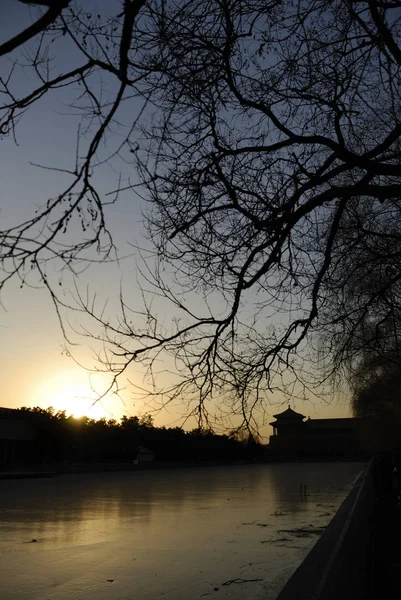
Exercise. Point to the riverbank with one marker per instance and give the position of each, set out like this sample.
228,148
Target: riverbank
26,475
340,563
359,556
54,469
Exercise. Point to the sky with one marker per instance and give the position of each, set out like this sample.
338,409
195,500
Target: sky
36,369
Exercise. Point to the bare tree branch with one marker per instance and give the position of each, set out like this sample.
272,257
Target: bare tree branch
51,15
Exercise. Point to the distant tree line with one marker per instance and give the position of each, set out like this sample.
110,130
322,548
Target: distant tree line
62,438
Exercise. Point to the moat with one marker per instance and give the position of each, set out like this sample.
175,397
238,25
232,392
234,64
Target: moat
222,532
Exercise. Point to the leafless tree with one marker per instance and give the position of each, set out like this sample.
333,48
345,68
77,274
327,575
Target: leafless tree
362,313
99,49
274,132
376,397
362,309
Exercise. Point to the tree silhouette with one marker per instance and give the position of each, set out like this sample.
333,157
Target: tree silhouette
377,398
270,147
59,438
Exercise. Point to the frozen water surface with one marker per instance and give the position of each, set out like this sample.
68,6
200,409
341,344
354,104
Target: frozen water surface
225,532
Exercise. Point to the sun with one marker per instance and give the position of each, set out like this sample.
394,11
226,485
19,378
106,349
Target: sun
78,401
74,392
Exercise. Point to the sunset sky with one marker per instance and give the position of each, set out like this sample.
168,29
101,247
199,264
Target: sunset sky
35,369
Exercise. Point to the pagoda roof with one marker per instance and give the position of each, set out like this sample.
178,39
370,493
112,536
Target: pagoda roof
289,414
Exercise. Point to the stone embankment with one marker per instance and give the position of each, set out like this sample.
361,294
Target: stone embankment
359,555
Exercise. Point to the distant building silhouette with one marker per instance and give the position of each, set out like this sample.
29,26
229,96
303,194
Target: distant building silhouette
293,436
144,455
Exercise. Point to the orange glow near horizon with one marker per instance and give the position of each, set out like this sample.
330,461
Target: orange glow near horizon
76,393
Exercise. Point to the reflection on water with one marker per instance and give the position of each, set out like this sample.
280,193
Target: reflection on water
190,533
